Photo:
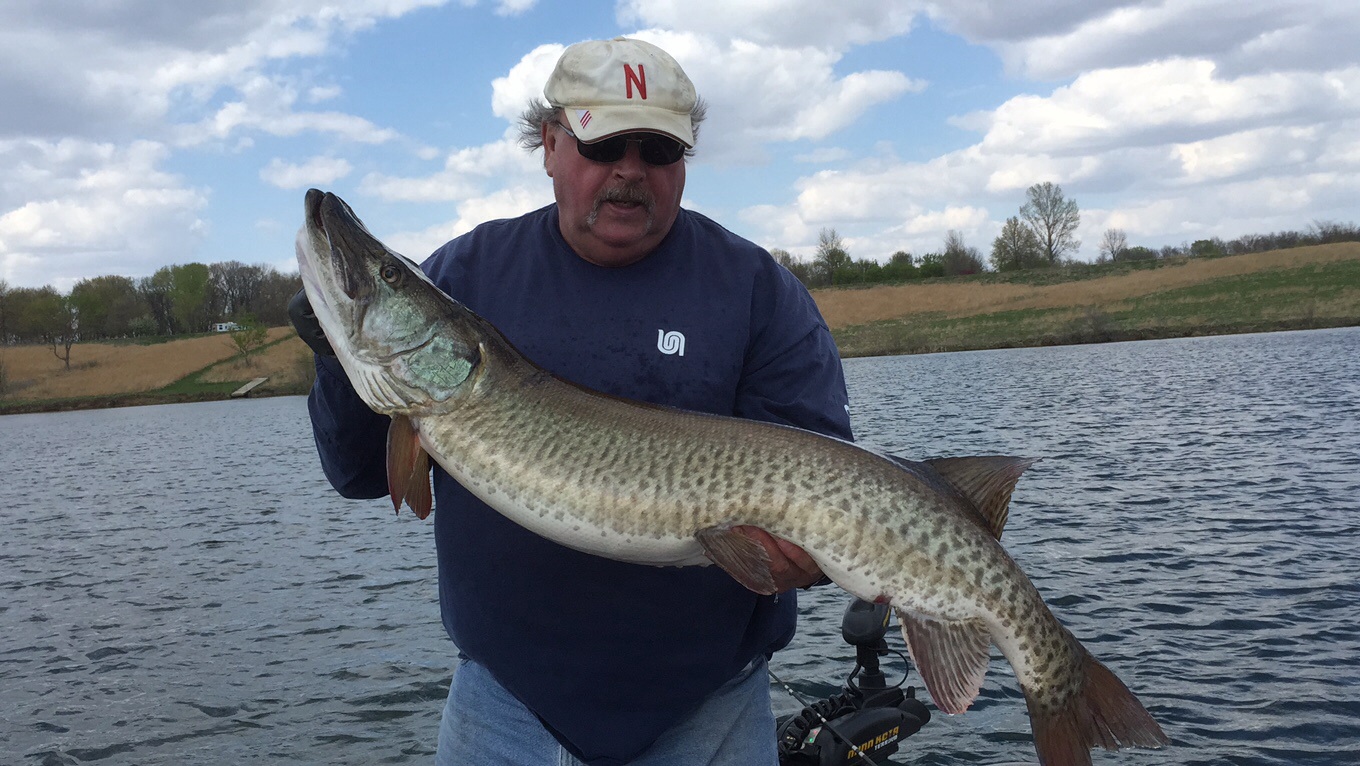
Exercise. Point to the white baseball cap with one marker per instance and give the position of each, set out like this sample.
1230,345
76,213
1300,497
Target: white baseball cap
609,87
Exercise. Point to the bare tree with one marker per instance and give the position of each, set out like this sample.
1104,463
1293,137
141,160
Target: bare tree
831,257
48,317
800,269
1113,245
238,286
959,258
1053,218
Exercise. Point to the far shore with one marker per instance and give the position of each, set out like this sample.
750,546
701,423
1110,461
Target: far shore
1303,288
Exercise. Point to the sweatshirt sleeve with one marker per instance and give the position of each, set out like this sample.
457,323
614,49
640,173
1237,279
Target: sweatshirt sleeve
793,371
351,439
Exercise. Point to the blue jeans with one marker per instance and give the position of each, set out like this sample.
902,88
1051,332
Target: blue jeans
484,725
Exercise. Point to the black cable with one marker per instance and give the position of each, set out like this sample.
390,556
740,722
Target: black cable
826,705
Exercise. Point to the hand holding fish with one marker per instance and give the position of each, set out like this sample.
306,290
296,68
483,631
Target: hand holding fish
790,566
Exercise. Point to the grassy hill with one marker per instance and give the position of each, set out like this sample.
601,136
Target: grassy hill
128,373
1280,290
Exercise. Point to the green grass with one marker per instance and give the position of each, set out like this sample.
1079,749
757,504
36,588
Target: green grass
190,388
1310,296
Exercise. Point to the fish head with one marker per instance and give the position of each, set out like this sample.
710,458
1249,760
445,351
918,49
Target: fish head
405,345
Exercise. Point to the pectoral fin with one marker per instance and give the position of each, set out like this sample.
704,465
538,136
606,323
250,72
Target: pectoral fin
740,556
408,468
952,656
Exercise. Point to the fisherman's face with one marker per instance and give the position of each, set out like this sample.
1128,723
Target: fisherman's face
611,213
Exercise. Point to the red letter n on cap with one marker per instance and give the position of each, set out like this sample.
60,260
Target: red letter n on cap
638,78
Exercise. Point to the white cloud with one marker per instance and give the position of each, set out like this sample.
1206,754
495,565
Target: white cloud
467,173
781,94
266,106
524,82
108,93
1172,120
128,67
1152,103
1205,121
514,7
1055,39
502,203
89,209
777,23
317,171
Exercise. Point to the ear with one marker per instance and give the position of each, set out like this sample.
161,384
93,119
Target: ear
549,147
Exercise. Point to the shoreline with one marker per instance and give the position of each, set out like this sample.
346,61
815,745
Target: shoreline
149,398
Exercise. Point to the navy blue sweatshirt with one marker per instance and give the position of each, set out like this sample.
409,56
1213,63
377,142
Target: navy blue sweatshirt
608,655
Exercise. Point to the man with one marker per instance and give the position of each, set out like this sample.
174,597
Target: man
567,657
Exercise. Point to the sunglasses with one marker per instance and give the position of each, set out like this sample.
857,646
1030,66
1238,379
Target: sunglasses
655,149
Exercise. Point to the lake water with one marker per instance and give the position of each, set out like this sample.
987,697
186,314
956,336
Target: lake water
178,584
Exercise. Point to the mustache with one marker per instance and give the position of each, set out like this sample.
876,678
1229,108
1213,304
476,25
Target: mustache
630,194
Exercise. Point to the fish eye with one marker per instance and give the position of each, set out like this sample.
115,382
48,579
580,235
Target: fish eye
390,273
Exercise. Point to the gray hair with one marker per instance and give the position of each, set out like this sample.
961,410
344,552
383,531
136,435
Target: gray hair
538,114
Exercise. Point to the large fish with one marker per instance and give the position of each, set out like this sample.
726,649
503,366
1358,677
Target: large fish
653,485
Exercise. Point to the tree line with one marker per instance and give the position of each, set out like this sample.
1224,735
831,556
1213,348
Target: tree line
175,300
1042,235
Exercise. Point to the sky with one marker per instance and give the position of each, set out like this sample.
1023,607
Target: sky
137,134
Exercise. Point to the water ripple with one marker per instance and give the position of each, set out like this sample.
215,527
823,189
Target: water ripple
169,597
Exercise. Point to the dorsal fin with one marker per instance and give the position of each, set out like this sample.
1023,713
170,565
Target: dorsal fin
987,481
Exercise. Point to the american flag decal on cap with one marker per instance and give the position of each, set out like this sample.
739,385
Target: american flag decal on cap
584,117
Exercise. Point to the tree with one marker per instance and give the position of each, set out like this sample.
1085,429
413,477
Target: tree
1016,248
156,291
932,265
831,257
271,301
959,258
4,313
1113,245
1207,248
1053,218
249,338
901,266
106,306
46,316
796,267
192,297
237,286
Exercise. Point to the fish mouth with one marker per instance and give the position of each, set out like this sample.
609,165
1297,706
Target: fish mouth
312,205
335,232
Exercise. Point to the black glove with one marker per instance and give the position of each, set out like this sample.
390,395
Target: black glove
308,328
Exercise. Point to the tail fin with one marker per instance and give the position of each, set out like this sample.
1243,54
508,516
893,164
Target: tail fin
1105,713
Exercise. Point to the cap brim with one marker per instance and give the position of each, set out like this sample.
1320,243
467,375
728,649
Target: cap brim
595,123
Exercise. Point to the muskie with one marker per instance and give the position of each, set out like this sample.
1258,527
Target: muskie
653,485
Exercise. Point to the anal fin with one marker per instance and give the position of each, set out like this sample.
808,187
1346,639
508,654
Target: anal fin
951,655
408,468
740,556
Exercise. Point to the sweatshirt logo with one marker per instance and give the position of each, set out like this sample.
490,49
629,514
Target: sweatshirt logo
670,342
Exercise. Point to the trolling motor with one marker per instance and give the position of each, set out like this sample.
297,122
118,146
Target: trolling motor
864,724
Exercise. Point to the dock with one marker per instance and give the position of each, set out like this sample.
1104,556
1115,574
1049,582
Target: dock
247,388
